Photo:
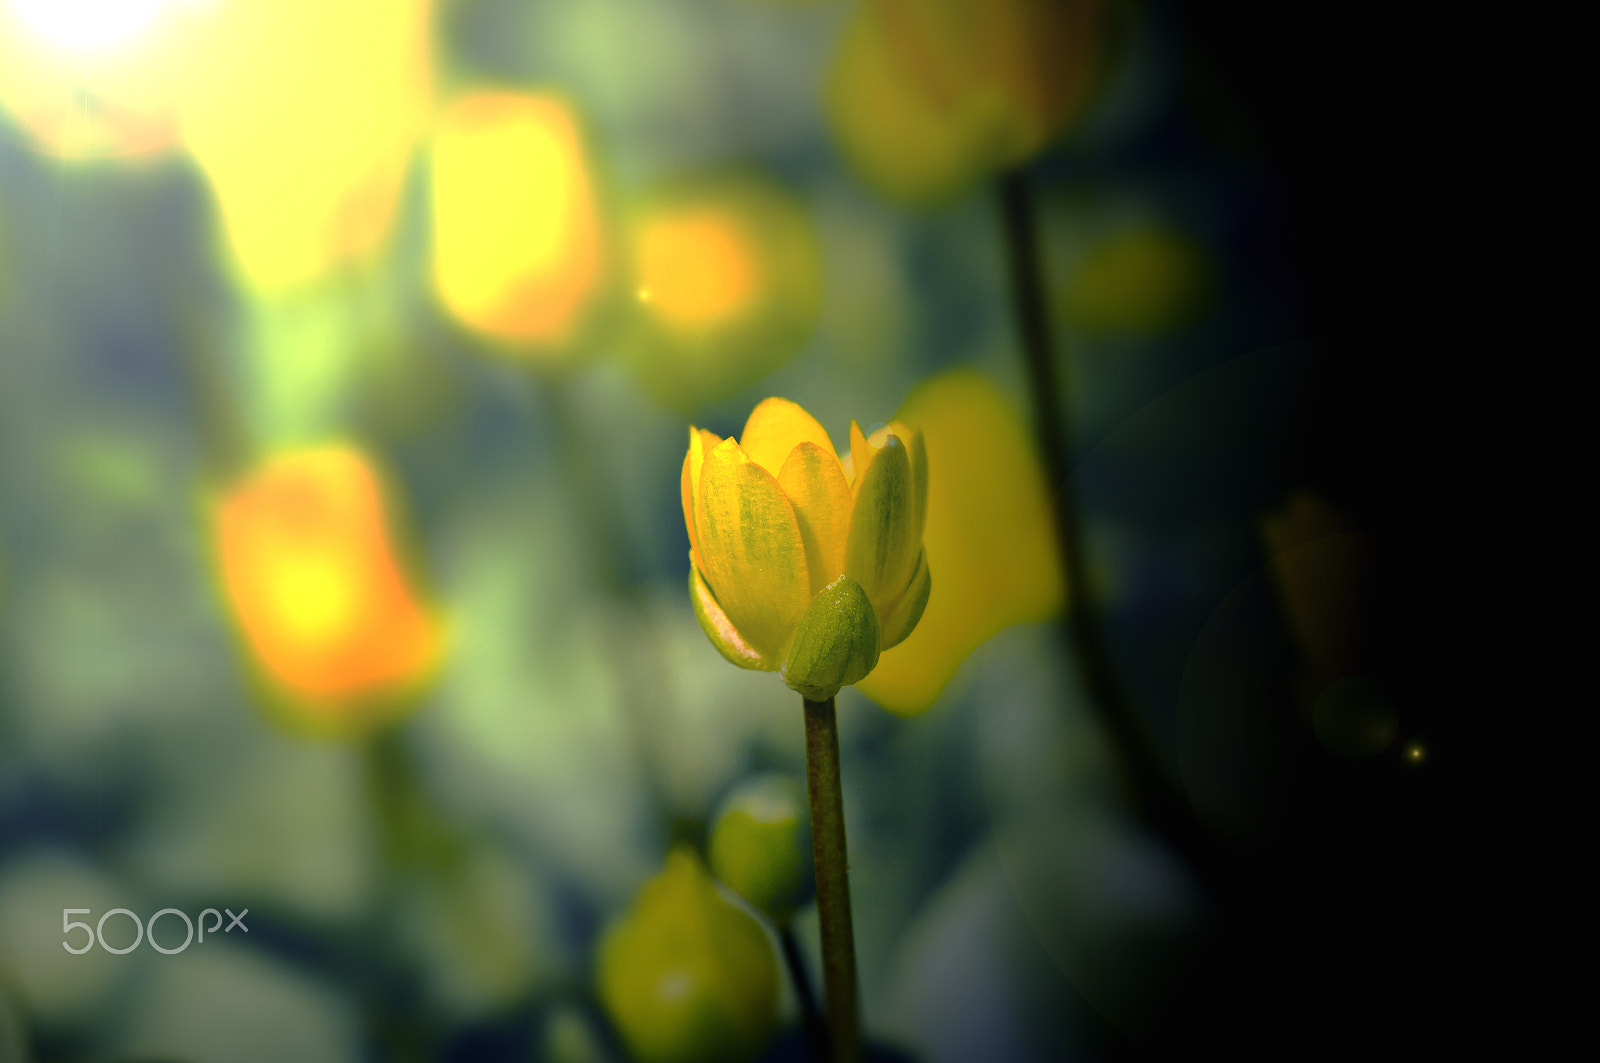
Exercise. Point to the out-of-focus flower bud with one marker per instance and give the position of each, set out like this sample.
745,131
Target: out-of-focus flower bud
310,572
801,562
761,845
686,975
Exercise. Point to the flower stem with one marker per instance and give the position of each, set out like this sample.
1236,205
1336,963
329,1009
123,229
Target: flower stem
833,880
1146,781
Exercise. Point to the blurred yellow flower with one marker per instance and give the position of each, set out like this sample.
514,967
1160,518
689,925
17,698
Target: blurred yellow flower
304,116
927,96
686,975
516,229
727,284
800,562
989,535
311,575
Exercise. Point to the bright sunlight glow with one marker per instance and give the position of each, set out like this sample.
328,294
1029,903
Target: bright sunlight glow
89,25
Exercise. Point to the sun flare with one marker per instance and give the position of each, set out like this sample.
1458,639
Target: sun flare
91,26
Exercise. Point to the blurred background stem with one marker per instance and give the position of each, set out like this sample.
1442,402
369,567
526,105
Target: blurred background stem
810,1015
1145,780
833,880
410,839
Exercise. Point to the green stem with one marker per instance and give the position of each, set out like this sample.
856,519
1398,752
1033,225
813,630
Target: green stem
1146,781
833,880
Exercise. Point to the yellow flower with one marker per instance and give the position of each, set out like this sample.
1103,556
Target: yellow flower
308,172
309,568
927,96
800,562
518,246
687,975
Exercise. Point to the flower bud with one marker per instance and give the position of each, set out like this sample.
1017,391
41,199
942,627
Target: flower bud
686,975
761,845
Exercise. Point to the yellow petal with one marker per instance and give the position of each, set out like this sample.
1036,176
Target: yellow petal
917,450
701,443
720,630
901,617
814,482
989,537
752,557
775,428
881,552
860,456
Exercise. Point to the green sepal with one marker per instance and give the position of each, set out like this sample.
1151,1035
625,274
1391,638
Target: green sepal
836,643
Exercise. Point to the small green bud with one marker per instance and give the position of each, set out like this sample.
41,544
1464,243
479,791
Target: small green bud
836,643
686,975
761,845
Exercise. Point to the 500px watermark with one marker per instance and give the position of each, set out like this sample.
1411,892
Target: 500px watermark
141,931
